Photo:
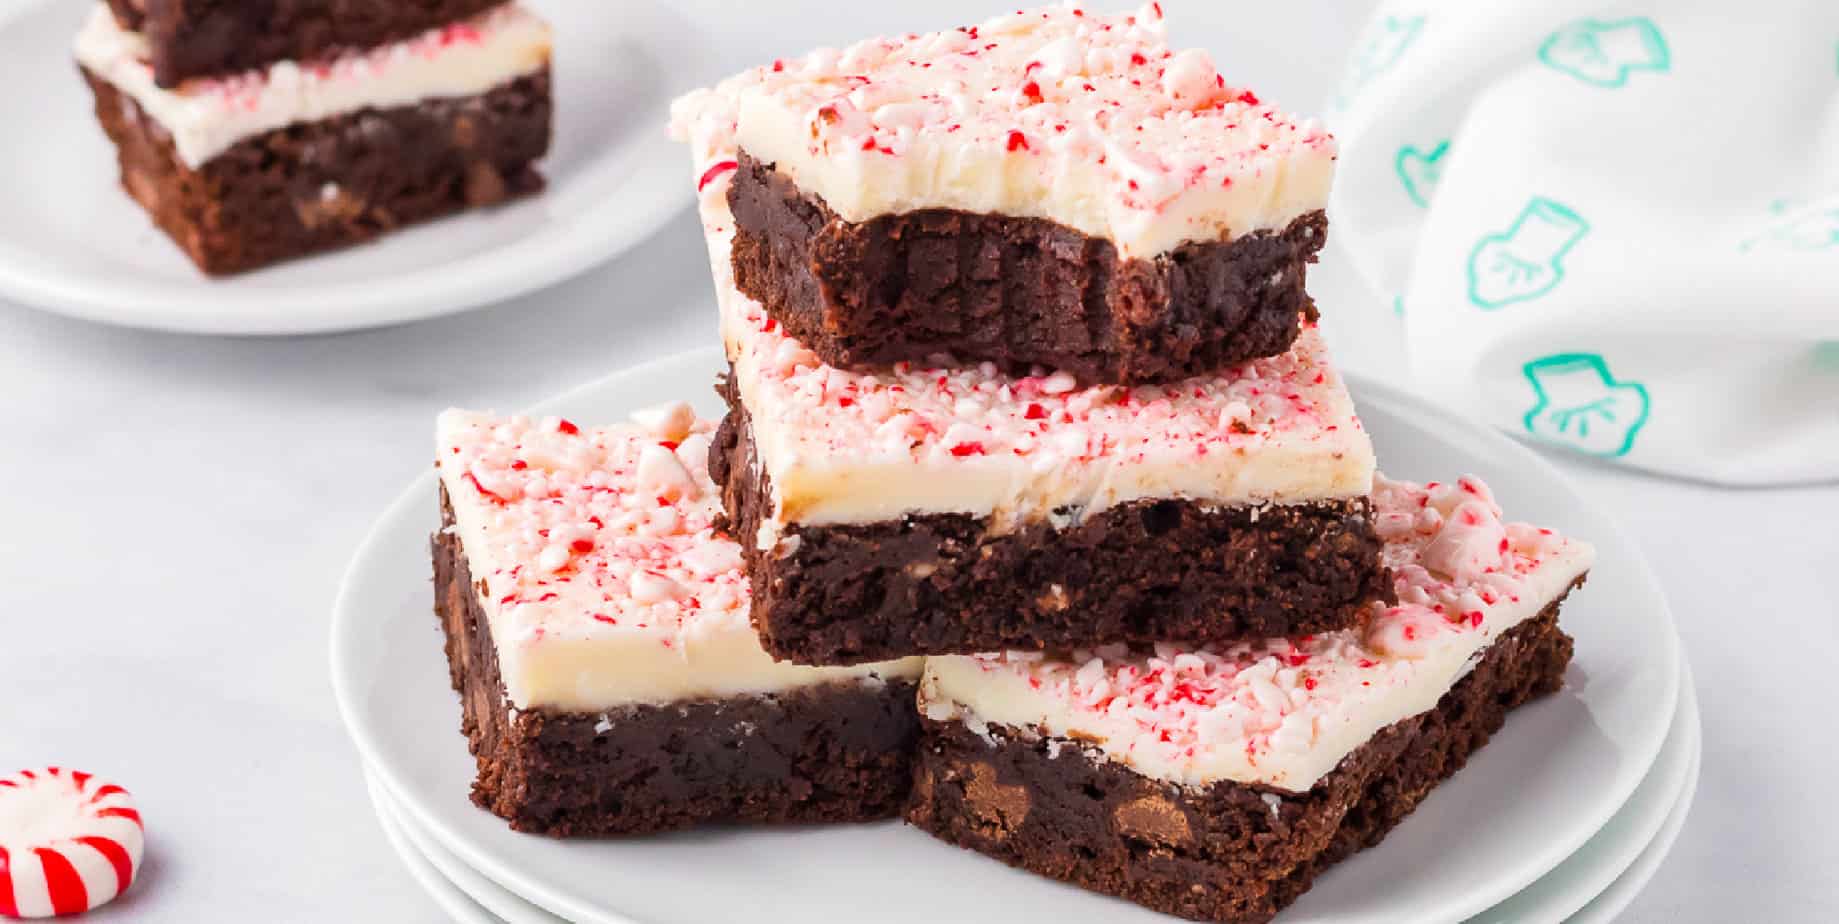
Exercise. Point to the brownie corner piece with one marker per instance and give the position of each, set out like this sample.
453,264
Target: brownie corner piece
1017,292
340,181
1225,851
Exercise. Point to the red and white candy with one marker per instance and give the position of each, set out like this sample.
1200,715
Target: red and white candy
69,842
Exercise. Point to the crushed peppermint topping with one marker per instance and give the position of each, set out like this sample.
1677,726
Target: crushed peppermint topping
592,531
971,412
1051,94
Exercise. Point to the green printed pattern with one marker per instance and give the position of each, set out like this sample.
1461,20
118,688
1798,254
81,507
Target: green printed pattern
1386,41
1578,404
1525,261
1420,171
1606,53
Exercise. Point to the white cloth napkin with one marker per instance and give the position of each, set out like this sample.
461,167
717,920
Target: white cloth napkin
1609,226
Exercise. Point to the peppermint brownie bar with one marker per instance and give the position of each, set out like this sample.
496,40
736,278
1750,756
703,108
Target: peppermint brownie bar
198,38
250,168
923,510
1050,188
1216,783
597,633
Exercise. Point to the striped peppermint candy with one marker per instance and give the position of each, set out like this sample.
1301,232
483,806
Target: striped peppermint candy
69,842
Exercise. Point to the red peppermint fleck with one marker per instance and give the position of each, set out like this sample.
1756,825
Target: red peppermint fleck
518,465
1368,662
1475,618
770,325
845,401
1035,412
715,170
967,449
566,426
1248,97
1137,59
582,546
778,65
602,617
669,444
1032,91
1308,683
474,481
1018,141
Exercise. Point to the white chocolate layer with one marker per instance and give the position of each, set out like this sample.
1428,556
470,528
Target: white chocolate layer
206,116
1285,712
598,567
852,447
1089,121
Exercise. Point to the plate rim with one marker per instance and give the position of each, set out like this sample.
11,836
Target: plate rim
1474,901
1650,848
444,892
557,250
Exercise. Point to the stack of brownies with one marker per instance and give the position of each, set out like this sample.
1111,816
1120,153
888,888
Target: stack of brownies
1024,384
257,132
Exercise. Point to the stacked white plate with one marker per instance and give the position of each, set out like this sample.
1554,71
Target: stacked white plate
1563,816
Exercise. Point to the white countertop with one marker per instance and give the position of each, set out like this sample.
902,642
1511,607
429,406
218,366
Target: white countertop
179,511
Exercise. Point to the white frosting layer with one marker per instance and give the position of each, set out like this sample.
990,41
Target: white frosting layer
205,116
1285,712
598,568
1089,121
854,447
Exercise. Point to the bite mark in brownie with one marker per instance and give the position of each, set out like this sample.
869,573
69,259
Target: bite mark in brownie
1147,571
322,185
836,752
1018,292
196,38
1225,851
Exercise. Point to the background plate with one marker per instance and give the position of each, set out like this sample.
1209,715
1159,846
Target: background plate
1526,802
71,241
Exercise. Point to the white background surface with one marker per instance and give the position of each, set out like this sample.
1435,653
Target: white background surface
177,511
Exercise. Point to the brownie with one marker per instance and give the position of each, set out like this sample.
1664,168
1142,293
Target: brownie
1145,571
1017,292
321,185
1226,851
837,752
197,38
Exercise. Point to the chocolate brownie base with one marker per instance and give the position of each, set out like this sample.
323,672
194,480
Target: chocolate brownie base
1227,851
1018,292
328,184
1147,571
832,753
196,38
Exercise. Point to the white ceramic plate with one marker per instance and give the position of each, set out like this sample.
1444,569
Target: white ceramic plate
448,896
489,899
1529,800
71,241
1633,833
1609,905
1640,834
